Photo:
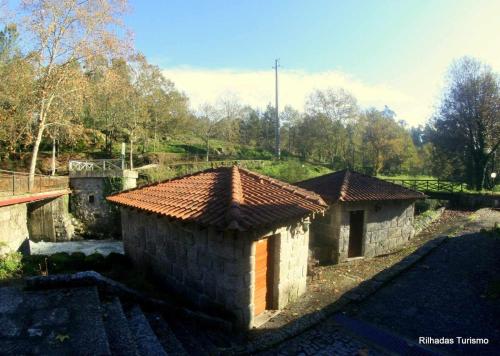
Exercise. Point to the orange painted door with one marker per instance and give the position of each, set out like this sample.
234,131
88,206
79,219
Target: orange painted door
260,294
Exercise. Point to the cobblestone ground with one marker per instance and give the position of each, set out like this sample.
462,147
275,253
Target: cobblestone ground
335,280
325,339
450,293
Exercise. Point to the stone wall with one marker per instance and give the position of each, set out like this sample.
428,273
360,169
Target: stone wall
14,229
215,269
89,205
387,225
49,220
325,232
291,263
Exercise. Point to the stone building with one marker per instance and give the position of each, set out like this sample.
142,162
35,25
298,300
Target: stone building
88,199
367,216
227,239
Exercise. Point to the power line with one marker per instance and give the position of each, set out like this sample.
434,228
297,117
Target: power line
277,117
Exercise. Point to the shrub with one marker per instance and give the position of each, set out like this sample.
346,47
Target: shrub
32,264
422,206
59,262
10,265
78,260
95,262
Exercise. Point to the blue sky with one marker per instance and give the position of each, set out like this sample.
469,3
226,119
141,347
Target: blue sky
385,52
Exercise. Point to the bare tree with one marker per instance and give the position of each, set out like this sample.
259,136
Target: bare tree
337,105
66,36
209,119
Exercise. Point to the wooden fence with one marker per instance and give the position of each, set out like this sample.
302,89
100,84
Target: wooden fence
430,185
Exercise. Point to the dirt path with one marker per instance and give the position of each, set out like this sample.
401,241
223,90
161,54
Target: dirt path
335,280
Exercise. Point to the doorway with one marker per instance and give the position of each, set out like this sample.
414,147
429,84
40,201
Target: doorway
356,225
264,275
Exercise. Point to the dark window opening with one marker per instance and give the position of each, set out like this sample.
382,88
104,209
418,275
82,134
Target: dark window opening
91,199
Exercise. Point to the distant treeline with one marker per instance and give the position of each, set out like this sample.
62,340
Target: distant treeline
75,83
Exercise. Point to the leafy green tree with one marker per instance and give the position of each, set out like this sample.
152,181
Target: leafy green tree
467,125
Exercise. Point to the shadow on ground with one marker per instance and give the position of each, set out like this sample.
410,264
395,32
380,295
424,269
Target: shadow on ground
450,293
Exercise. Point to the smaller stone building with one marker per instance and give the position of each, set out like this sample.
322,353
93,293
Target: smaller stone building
367,216
226,238
88,199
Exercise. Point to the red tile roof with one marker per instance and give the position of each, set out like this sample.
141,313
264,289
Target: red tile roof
352,186
226,197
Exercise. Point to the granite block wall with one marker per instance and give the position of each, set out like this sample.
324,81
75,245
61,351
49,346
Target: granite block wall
215,269
388,225
14,228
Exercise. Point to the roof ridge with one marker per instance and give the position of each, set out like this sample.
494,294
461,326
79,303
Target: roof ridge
385,181
301,192
343,186
152,184
233,215
321,176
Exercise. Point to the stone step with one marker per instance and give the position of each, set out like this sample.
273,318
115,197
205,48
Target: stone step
66,321
146,340
167,338
120,339
194,341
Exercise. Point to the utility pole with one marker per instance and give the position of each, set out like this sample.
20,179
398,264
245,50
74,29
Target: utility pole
277,123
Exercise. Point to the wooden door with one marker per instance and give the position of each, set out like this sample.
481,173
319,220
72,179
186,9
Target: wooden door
261,276
356,222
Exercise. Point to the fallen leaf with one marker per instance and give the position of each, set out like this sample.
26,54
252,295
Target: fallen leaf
62,337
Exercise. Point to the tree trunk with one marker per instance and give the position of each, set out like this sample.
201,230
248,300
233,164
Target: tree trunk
208,148
155,134
480,173
131,154
34,155
53,162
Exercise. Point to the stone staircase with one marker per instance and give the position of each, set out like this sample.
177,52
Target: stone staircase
81,321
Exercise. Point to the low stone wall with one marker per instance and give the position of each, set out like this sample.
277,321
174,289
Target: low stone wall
14,229
425,219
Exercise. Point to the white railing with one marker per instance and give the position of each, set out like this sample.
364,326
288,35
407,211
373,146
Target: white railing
96,165
96,168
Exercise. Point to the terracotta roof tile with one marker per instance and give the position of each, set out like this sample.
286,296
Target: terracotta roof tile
226,197
347,185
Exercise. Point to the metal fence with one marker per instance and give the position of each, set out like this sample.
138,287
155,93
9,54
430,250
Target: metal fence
17,183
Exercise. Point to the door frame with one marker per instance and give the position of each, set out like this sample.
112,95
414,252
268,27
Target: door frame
363,234
272,272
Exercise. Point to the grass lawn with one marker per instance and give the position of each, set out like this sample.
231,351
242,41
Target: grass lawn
292,171
406,176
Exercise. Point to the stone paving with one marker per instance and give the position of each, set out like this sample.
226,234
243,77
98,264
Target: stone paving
444,294
35,322
326,339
